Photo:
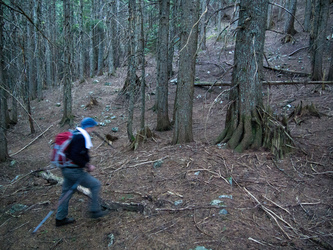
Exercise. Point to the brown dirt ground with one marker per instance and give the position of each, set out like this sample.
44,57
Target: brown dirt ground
268,205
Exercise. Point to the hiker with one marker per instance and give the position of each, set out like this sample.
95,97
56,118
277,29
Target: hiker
78,170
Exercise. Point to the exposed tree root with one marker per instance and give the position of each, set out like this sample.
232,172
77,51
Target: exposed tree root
260,129
125,90
93,102
141,137
276,135
300,112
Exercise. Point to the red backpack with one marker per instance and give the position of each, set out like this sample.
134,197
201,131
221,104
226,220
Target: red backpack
58,154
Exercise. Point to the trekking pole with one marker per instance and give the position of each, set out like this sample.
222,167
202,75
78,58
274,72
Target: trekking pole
100,137
71,190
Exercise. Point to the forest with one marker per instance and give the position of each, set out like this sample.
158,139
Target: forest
214,120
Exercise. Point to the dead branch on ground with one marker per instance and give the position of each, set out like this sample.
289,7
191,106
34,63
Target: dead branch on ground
270,83
31,142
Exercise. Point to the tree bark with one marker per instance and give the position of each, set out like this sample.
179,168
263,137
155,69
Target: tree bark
187,56
100,31
67,94
307,16
3,139
318,37
163,122
242,128
81,43
203,25
290,18
92,57
30,55
330,71
131,67
38,50
111,34
143,71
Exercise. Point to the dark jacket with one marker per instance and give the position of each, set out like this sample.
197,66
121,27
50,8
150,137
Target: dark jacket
77,150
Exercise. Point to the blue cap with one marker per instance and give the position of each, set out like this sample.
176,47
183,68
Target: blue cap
88,123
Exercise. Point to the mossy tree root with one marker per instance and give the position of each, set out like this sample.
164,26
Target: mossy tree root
260,129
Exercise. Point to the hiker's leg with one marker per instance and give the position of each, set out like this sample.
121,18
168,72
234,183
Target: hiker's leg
63,207
94,185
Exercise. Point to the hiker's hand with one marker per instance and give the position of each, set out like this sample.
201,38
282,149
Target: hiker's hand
90,168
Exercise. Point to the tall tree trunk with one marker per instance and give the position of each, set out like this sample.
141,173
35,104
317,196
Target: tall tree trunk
116,33
92,40
15,73
163,122
131,66
100,30
172,38
38,50
290,18
330,71
30,54
3,139
67,94
219,17
185,85
307,15
54,50
270,16
81,43
204,6
110,46
242,128
143,72
318,37
48,53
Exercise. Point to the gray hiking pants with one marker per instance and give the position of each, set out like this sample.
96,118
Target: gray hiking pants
71,176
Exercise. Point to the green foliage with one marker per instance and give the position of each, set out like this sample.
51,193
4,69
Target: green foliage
152,38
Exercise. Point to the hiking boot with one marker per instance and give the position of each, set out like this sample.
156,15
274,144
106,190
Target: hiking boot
97,214
64,222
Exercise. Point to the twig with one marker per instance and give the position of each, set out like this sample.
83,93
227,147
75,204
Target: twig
289,13
192,207
5,222
294,52
327,172
196,225
121,166
256,241
212,172
18,227
31,142
143,163
277,205
272,215
56,244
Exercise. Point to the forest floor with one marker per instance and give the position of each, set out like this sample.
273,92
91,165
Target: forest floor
197,194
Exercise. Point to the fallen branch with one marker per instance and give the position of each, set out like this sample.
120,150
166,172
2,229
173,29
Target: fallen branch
270,83
272,215
115,206
51,177
294,52
192,207
288,71
218,175
30,142
142,163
